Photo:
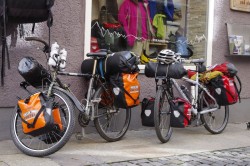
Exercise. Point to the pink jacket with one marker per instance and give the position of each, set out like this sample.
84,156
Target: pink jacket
127,16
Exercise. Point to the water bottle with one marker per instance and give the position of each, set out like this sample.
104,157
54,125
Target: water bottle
63,56
54,55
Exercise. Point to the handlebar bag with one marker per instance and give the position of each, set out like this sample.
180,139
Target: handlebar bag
38,116
126,90
121,62
33,72
174,70
147,112
28,11
180,114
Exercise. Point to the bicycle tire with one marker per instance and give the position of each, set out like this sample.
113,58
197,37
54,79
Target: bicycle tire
48,143
160,100
107,113
212,119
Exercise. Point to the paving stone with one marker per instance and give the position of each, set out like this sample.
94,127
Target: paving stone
156,164
3,164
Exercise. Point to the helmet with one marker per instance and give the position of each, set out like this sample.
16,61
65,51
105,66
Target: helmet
168,56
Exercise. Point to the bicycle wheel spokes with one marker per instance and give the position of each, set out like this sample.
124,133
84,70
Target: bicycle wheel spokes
111,123
162,116
215,122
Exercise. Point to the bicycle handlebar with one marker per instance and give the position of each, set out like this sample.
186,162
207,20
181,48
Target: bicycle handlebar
46,45
201,60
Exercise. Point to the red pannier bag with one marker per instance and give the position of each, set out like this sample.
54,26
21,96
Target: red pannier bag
224,90
181,113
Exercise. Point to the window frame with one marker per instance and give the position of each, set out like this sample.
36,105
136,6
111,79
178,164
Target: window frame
210,28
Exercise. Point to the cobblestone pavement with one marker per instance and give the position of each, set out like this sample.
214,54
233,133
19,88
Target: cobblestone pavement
230,157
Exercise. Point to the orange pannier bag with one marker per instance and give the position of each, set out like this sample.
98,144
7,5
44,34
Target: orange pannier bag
126,90
36,118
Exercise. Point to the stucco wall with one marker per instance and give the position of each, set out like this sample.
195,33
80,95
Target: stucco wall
67,30
223,14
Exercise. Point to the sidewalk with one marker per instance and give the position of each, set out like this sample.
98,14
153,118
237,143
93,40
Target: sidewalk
136,145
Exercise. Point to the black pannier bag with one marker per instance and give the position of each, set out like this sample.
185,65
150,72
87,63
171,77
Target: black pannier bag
121,62
28,11
175,70
33,72
147,112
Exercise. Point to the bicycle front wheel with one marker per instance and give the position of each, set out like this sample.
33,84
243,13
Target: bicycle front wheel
111,123
162,114
50,142
215,122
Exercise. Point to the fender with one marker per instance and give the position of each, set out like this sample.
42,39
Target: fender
73,98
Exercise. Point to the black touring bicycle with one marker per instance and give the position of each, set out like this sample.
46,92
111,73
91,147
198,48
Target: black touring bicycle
39,133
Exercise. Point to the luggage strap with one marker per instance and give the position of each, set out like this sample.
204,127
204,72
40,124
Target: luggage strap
124,90
32,125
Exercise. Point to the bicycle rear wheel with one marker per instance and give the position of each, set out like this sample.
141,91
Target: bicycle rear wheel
111,123
215,122
50,142
162,116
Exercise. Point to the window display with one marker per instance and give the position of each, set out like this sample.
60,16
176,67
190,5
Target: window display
146,26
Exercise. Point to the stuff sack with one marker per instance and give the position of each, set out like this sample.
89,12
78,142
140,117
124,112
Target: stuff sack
121,62
28,11
33,72
147,112
88,64
226,68
126,89
181,113
224,90
175,70
36,120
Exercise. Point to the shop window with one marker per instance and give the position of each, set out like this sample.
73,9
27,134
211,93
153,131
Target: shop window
146,26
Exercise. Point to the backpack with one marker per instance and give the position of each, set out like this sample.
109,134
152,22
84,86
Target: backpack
20,12
147,112
36,120
126,90
181,113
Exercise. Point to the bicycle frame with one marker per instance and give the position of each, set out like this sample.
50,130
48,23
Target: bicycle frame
195,98
89,103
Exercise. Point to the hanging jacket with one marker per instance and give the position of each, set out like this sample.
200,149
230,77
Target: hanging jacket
128,17
169,9
152,8
158,22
